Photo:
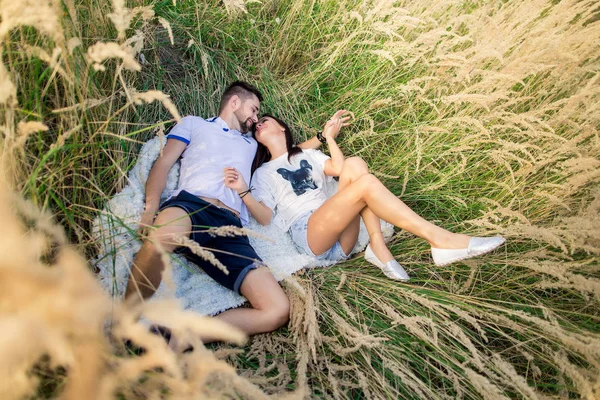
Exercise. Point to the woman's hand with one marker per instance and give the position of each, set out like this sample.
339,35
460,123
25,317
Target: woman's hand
234,180
333,126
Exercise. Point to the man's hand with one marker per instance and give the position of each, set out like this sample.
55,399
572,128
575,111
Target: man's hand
146,222
234,180
333,126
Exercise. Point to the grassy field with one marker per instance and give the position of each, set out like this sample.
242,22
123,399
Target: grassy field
483,116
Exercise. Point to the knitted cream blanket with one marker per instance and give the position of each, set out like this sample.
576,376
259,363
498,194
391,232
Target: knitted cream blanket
114,230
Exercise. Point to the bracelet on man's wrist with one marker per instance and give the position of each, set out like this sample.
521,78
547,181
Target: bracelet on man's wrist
321,138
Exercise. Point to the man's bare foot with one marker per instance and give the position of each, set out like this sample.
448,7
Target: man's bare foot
178,346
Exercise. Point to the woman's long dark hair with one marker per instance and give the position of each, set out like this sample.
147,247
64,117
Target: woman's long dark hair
262,153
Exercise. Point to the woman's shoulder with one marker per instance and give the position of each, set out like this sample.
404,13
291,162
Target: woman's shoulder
316,155
313,152
264,171
306,152
261,170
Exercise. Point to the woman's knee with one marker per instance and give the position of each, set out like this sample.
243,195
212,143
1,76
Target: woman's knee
367,182
356,162
354,167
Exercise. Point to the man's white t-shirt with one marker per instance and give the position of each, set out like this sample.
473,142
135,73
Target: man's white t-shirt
291,188
211,147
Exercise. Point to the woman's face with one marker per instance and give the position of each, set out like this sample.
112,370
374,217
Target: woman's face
268,129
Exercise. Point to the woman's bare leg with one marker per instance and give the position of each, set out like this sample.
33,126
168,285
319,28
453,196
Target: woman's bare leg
354,168
333,217
378,245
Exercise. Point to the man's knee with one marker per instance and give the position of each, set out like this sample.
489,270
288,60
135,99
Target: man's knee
277,316
162,239
169,226
267,298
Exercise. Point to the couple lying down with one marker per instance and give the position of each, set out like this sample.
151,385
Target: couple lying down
219,158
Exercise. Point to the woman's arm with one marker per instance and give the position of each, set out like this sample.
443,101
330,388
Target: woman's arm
259,211
314,142
333,166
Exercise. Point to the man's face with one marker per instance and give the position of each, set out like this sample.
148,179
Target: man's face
247,113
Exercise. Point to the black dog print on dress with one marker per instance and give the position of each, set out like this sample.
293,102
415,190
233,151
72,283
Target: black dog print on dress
301,179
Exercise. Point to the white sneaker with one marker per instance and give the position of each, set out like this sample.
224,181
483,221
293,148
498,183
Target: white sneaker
477,246
391,269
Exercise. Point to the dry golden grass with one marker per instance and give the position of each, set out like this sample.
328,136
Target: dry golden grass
52,306
52,310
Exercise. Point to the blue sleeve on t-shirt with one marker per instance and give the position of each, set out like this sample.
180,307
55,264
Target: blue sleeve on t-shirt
183,130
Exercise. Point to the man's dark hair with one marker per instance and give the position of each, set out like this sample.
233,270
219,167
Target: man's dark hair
242,89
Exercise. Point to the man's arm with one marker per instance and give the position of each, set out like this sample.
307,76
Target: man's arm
157,179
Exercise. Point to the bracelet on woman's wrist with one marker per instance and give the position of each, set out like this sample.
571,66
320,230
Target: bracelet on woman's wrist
321,138
245,192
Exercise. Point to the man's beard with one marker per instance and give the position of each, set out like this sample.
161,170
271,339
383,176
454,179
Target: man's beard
246,125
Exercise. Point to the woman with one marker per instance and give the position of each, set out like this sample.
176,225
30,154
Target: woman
289,181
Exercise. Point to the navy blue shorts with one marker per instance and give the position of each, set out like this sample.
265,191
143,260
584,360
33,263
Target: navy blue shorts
234,252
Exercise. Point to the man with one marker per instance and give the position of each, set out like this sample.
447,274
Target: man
206,148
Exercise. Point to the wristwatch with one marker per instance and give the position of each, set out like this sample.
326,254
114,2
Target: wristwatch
321,138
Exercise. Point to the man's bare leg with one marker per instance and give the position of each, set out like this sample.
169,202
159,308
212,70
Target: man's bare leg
147,269
270,305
